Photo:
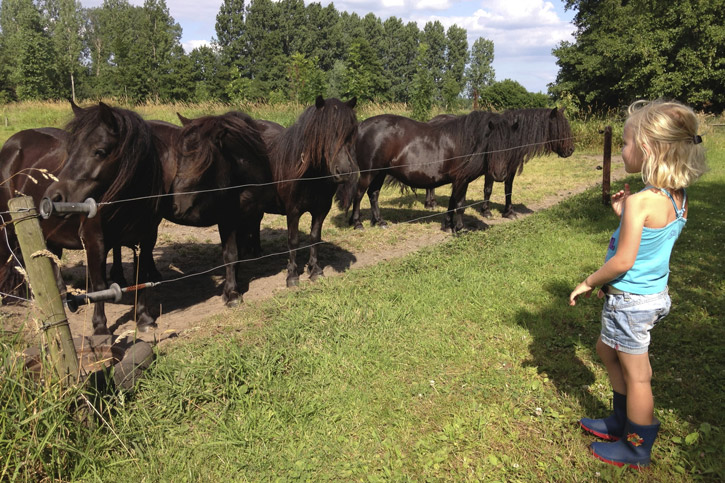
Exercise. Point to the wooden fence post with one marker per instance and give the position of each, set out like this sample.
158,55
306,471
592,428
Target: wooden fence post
48,303
607,167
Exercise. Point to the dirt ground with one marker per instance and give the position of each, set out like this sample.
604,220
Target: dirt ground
186,306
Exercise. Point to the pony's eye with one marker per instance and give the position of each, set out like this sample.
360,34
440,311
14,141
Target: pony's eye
100,153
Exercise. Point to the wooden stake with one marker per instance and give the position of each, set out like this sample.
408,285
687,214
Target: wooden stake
607,167
49,310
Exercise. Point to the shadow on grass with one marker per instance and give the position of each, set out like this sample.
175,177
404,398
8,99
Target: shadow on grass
557,331
687,346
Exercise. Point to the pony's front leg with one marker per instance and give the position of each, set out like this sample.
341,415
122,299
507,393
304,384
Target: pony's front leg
362,186
117,267
316,236
230,255
487,190
454,216
146,257
293,241
96,263
374,195
430,198
508,210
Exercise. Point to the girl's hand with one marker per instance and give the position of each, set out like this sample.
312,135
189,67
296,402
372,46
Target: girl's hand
618,199
582,288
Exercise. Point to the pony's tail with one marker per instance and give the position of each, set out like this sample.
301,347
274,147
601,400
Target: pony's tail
391,181
345,193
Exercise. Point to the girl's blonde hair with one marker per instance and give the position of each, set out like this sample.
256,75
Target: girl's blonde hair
666,132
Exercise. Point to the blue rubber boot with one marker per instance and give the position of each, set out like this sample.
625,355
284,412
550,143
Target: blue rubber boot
633,449
611,427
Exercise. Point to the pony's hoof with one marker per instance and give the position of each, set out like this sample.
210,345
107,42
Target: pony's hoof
487,214
233,300
358,226
431,206
315,275
293,282
101,331
146,327
511,215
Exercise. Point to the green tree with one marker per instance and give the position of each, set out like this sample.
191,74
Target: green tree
399,46
628,50
160,37
434,35
306,81
67,34
423,85
230,29
509,94
31,70
480,73
209,75
455,65
364,73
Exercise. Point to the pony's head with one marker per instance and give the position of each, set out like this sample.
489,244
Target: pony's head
320,141
216,153
488,136
561,140
110,155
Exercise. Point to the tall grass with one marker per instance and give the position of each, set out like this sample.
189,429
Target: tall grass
27,115
461,362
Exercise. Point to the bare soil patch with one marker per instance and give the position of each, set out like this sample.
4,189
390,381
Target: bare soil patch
186,306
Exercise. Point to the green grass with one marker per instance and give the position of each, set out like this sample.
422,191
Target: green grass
462,362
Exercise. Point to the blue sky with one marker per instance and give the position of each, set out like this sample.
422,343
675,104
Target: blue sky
523,31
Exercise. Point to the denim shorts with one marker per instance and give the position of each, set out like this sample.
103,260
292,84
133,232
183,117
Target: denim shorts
627,319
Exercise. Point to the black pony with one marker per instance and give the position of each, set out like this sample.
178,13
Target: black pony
309,159
540,132
426,155
221,179
29,162
111,156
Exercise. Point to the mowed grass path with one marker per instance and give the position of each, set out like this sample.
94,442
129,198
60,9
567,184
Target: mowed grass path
462,362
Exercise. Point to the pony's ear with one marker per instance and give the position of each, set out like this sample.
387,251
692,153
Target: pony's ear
515,124
184,120
107,117
319,102
352,102
554,112
77,110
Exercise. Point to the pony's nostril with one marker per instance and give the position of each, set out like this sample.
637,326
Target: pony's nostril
57,197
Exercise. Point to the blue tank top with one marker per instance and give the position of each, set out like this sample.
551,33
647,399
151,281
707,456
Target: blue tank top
651,268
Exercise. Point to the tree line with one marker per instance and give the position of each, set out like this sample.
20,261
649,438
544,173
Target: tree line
629,49
263,51
284,50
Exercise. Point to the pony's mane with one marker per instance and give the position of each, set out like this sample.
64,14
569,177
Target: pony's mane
139,169
537,134
473,135
313,140
204,148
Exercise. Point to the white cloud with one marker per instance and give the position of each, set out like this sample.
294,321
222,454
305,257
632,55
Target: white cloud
190,45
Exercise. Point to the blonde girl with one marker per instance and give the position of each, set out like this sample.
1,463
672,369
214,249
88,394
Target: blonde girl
661,141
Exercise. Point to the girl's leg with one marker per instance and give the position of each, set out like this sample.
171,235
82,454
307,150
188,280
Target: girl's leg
614,368
638,379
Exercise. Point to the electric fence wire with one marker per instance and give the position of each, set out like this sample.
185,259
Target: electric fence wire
248,260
